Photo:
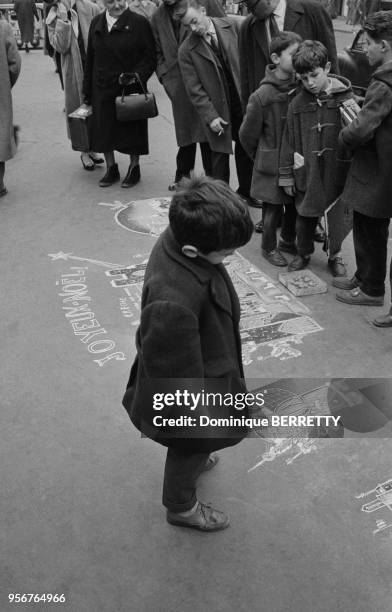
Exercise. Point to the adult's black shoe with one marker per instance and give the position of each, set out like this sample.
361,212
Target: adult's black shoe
112,176
132,177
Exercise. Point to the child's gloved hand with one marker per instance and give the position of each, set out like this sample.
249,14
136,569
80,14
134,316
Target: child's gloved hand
290,190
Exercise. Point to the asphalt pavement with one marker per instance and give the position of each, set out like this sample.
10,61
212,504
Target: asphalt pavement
81,491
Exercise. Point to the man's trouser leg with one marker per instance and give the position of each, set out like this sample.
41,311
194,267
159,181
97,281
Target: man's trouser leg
370,244
220,166
186,157
244,166
181,473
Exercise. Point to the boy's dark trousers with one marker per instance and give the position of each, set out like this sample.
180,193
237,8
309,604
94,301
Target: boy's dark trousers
272,214
305,227
186,159
370,244
181,473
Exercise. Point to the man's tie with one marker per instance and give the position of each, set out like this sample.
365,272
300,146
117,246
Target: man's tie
213,43
273,26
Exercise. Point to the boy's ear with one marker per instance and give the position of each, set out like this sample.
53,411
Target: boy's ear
327,67
189,251
385,46
274,58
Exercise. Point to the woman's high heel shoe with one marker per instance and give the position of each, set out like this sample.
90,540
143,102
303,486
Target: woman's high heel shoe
87,165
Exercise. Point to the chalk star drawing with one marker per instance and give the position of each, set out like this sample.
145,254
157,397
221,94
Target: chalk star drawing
148,217
383,500
282,402
68,256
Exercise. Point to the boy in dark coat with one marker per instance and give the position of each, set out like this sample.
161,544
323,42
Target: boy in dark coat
313,166
261,136
189,329
369,184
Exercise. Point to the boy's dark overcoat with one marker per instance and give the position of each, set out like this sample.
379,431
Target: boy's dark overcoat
189,328
312,130
204,81
308,18
368,188
128,47
261,135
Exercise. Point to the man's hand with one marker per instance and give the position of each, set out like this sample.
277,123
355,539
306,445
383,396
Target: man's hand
218,125
289,190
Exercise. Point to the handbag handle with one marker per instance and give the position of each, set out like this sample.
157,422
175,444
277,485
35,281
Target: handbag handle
138,79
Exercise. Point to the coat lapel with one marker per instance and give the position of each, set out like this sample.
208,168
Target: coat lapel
260,36
294,10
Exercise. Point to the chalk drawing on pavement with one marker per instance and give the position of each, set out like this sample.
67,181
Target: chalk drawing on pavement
147,217
272,321
381,502
302,441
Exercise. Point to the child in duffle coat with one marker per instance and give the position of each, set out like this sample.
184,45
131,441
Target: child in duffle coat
189,329
368,188
261,136
313,166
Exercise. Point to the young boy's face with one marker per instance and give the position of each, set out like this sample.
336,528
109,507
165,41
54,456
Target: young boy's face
373,49
217,257
285,59
316,81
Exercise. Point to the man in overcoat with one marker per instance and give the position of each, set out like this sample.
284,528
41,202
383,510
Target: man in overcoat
308,18
209,65
169,33
9,71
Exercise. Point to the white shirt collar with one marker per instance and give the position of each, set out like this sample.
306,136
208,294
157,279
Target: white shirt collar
279,13
110,20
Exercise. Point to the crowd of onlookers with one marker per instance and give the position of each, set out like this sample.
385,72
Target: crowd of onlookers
268,83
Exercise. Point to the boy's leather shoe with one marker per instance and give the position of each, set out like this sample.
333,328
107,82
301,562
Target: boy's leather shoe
383,321
274,257
345,283
205,518
112,176
132,177
259,226
319,233
356,297
211,462
287,247
337,267
298,263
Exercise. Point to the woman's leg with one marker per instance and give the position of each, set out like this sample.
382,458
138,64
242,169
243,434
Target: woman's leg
112,174
2,170
133,174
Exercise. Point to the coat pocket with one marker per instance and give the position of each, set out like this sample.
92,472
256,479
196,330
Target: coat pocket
267,161
364,167
300,179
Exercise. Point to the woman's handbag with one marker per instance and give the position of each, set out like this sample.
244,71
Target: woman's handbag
135,107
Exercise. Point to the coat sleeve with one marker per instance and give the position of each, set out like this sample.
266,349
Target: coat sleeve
59,29
243,41
13,57
252,125
170,341
161,64
286,161
147,65
377,105
89,66
194,88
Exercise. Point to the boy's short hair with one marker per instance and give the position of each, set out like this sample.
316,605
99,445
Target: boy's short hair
311,54
281,41
209,215
378,26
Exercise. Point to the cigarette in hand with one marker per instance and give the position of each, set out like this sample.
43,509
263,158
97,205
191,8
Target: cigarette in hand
220,133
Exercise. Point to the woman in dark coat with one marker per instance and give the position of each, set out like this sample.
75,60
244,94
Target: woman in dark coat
119,41
25,12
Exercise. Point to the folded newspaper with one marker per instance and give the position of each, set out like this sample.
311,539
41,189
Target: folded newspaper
349,111
81,113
